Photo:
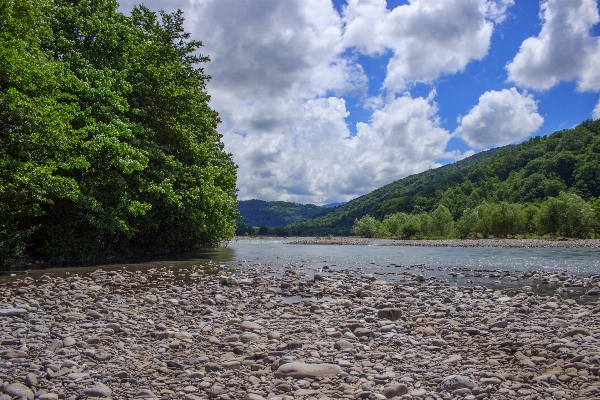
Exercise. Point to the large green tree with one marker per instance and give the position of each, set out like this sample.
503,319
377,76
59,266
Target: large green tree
107,141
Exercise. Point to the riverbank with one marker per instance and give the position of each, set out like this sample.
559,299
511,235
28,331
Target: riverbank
123,334
509,243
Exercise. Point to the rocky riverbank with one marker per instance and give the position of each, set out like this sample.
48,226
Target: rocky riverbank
186,334
515,243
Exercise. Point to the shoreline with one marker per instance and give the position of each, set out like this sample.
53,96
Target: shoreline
508,243
338,334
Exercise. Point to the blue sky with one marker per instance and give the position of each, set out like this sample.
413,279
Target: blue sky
324,101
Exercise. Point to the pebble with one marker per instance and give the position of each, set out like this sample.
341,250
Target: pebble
165,333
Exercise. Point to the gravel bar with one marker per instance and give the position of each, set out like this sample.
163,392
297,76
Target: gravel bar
188,334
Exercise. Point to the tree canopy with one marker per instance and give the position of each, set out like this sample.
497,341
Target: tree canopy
107,141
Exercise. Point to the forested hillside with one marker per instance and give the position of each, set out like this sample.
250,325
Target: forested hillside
274,214
528,173
107,142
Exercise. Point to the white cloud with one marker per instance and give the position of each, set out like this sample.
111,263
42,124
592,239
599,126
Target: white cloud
564,49
500,118
315,159
427,38
596,112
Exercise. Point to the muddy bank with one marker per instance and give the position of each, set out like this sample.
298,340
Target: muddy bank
516,243
122,334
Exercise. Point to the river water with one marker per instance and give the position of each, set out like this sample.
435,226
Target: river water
457,265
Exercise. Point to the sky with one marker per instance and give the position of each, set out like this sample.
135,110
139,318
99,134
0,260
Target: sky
323,101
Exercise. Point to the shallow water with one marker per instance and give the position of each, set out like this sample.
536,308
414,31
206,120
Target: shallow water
456,265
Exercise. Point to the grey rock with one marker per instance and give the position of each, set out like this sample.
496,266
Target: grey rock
98,390
364,332
31,380
454,382
10,312
393,390
343,344
391,314
19,390
301,370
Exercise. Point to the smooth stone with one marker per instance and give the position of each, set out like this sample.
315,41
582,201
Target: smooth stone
9,354
364,332
499,324
55,345
31,380
249,337
94,314
429,331
254,396
393,390
391,314
11,312
301,370
343,344
250,326
454,382
69,341
98,390
19,390
146,394
48,396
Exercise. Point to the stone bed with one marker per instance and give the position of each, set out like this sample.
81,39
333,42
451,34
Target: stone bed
186,334
507,243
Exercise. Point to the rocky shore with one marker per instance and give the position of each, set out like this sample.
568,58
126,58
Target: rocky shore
188,334
515,243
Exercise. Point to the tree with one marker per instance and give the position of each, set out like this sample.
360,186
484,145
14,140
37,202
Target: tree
106,137
566,215
441,221
367,226
467,223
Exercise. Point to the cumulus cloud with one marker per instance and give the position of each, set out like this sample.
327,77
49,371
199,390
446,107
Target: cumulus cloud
596,112
315,159
564,49
427,38
500,118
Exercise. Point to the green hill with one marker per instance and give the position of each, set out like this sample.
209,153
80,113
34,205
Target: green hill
542,167
274,214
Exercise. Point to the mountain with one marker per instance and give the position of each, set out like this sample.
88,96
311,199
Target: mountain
542,167
276,213
333,205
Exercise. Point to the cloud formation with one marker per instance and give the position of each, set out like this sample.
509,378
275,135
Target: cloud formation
426,38
316,159
500,118
564,50
596,112
280,73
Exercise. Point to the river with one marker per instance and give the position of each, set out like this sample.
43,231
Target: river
493,267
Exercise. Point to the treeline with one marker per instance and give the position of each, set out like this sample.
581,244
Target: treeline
107,143
242,229
529,173
566,215
273,214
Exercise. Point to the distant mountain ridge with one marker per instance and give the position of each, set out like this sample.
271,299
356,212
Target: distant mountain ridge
273,214
542,167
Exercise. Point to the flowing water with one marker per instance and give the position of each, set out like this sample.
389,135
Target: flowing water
461,266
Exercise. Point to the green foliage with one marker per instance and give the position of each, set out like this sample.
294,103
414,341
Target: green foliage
277,213
528,173
368,227
107,143
566,215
